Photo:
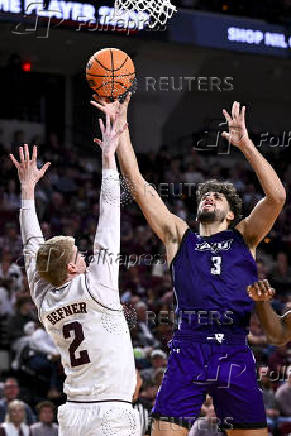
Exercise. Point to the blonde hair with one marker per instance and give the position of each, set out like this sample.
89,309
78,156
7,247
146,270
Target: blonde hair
12,405
53,257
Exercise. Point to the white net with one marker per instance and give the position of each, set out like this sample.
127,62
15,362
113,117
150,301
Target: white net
158,11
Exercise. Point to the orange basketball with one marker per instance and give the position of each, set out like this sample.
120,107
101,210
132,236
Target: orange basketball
110,73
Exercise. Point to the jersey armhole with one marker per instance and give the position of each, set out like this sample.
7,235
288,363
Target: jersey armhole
180,246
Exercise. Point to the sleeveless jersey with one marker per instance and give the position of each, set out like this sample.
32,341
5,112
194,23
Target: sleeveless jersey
210,278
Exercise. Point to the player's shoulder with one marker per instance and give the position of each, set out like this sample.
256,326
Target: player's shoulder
69,292
287,317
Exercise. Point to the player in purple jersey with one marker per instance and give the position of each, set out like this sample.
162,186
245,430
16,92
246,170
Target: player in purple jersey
211,271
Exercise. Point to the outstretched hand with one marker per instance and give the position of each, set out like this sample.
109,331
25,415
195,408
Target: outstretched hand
261,291
110,135
236,124
28,172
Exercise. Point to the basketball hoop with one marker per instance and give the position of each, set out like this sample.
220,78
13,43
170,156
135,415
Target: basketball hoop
159,11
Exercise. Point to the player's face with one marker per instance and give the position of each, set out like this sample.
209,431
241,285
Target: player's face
79,261
213,207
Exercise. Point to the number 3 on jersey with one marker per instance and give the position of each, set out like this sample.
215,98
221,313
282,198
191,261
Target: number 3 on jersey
215,265
76,327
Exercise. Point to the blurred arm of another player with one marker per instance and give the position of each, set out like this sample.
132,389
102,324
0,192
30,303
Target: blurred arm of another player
104,268
169,228
277,328
258,224
32,236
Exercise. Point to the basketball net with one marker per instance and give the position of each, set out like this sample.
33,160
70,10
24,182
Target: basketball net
159,11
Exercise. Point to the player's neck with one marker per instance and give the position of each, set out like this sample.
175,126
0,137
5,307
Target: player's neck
208,229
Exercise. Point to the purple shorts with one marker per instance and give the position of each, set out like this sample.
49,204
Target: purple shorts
226,371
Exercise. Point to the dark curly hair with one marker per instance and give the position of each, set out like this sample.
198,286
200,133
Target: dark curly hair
230,193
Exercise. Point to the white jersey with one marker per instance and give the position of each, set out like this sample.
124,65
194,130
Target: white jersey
84,316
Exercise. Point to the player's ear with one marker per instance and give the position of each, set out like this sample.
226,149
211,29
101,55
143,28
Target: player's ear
230,215
71,268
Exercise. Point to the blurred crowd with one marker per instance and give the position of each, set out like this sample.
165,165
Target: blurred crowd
274,11
67,200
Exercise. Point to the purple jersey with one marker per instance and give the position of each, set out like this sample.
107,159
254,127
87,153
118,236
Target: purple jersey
210,277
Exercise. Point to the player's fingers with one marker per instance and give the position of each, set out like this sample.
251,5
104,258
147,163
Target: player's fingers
98,105
272,292
16,163
250,291
34,153
257,289
127,98
226,135
262,287
98,141
44,168
226,115
101,126
26,152
235,110
21,154
266,286
243,111
107,125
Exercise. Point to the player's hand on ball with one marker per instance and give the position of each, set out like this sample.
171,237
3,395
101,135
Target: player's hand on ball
114,109
261,291
110,135
236,124
111,109
28,172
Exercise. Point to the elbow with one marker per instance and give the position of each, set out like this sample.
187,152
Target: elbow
282,196
278,341
279,198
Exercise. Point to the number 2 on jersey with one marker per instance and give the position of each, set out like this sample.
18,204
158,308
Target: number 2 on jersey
76,327
216,265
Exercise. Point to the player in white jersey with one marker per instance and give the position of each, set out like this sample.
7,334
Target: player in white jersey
80,307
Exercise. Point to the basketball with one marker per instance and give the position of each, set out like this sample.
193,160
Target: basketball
110,73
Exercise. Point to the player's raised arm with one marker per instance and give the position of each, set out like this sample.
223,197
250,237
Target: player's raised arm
260,221
105,265
32,237
166,225
277,328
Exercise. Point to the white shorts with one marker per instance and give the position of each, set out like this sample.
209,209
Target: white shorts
98,419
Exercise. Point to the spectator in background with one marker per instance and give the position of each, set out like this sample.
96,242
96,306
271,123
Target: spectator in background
11,393
283,397
16,425
269,398
158,361
280,357
44,359
262,269
11,196
139,407
10,270
45,425
145,335
23,314
281,274
11,241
